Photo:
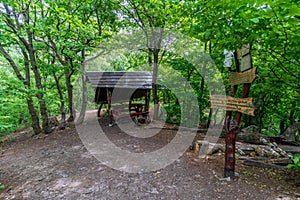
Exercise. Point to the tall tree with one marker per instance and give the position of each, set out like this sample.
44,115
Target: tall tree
153,17
19,25
71,28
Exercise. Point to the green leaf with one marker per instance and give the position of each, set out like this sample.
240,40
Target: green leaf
255,20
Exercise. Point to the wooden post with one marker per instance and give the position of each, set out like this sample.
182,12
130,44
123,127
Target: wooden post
231,128
108,94
232,124
147,101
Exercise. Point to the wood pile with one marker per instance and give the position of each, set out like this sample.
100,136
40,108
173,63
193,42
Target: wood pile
266,154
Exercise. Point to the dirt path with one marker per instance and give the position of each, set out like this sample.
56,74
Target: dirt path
58,166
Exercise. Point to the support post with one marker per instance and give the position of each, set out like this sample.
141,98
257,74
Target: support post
232,126
108,94
147,101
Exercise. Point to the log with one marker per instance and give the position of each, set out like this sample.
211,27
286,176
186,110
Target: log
281,140
258,158
210,148
280,161
290,149
251,137
256,163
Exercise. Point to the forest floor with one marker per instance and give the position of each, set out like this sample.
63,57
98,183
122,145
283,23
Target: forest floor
58,166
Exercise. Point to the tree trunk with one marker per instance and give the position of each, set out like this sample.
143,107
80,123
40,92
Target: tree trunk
282,126
62,101
38,82
203,74
84,90
154,88
258,119
210,109
69,85
290,133
34,117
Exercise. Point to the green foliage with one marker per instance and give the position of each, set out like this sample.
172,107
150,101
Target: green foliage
172,113
62,29
2,187
272,27
51,34
296,164
12,105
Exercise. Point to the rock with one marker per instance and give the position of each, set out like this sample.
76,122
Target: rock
252,154
154,191
88,191
259,151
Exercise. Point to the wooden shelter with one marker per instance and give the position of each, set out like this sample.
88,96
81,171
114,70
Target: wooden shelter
119,87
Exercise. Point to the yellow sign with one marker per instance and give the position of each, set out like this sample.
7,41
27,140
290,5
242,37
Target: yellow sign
243,77
243,105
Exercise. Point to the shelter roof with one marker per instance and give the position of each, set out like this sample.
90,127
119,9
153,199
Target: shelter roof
132,79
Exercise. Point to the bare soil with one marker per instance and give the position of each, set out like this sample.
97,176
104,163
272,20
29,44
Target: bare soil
58,166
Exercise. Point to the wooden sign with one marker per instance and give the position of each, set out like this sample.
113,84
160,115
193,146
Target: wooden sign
245,54
243,77
243,105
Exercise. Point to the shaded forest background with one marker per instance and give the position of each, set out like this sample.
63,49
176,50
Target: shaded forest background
45,45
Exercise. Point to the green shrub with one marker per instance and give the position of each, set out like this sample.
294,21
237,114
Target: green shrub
296,164
2,187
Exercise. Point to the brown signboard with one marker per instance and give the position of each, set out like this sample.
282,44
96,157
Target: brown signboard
245,54
243,105
243,77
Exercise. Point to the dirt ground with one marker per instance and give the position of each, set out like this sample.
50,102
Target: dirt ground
58,166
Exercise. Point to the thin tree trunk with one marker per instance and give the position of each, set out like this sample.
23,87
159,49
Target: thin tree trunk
292,113
84,90
38,82
203,73
202,87
62,101
68,75
154,88
33,113
34,117
290,132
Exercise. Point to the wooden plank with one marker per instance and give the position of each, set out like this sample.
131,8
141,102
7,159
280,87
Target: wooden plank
243,105
119,77
243,77
137,73
246,62
246,59
121,83
123,86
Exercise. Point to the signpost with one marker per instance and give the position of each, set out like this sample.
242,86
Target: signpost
237,105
